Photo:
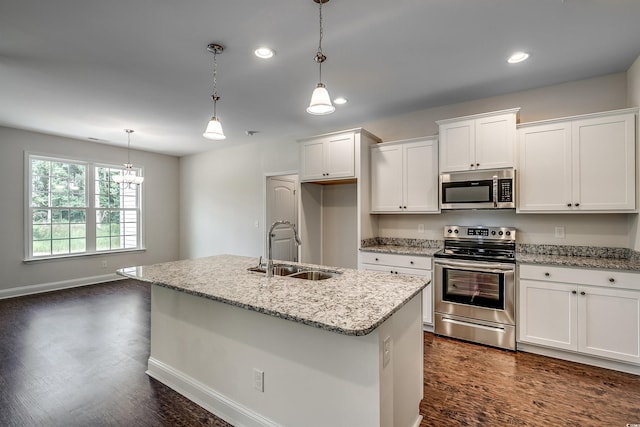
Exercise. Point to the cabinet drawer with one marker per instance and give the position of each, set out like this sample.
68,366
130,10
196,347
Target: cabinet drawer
394,260
581,276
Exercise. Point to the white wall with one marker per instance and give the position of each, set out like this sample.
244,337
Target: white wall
160,210
222,190
222,197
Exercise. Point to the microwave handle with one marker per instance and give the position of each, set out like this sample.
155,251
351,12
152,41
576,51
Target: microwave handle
495,191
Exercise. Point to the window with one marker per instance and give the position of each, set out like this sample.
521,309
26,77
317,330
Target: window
75,208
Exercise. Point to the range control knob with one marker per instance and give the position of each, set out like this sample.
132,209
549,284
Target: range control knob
449,231
493,233
455,231
500,233
508,233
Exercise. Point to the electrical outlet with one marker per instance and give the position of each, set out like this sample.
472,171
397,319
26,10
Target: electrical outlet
258,379
386,351
104,263
559,232
420,228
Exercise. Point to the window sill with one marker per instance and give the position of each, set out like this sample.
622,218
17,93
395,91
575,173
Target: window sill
82,255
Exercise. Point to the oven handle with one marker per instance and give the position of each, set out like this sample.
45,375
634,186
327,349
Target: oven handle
473,266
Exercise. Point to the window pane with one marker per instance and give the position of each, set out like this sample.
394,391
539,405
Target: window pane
115,242
102,244
41,216
77,230
60,246
78,245
42,247
41,232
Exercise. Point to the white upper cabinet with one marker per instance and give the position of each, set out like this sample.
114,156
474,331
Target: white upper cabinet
404,176
328,158
582,164
482,141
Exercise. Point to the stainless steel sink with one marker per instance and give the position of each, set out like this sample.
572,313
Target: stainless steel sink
296,271
314,275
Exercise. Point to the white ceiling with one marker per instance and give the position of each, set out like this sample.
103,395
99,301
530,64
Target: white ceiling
89,69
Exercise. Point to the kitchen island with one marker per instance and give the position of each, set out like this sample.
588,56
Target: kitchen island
280,351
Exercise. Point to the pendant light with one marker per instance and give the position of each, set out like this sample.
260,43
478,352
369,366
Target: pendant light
214,128
320,100
128,177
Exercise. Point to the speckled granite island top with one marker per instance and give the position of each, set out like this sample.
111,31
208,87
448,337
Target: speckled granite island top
352,303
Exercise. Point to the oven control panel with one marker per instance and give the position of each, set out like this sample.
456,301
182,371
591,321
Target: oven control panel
479,232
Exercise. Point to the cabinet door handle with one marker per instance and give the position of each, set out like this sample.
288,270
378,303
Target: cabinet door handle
569,204
471,165
574,292
404,207
477,164
577,204
399,207
583,293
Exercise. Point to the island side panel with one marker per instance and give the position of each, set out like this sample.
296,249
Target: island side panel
402,380
208,351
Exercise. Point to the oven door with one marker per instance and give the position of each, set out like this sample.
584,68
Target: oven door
475,289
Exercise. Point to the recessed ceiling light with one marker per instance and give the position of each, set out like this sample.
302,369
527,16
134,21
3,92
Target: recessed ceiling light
264,52
340,100
518,57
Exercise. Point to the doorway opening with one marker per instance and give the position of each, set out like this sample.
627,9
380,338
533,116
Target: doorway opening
281,204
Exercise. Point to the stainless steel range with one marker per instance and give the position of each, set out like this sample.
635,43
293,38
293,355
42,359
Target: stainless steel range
475,285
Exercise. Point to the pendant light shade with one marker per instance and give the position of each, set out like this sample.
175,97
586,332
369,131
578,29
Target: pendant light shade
320,101
214,127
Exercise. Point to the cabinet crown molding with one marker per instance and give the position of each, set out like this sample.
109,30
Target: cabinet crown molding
632,110
479,116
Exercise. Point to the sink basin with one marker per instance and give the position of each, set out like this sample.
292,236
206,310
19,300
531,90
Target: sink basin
314,275
295,271
279,269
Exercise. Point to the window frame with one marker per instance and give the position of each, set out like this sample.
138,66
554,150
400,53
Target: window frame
90,208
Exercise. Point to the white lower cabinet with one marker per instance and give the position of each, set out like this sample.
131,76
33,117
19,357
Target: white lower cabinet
593,312
404,264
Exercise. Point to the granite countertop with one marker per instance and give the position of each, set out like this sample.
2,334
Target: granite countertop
579,256
596,257
400,250
352,303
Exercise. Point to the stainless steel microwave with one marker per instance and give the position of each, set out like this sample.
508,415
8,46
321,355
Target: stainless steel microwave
481,189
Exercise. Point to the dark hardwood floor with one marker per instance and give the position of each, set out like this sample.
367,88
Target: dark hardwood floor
77,358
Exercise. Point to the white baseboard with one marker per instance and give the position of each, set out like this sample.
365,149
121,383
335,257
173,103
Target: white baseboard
580,358
203,395
56,286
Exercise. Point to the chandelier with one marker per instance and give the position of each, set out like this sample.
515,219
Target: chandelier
128,178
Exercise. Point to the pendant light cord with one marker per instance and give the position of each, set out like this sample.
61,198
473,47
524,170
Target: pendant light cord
320,58
214,96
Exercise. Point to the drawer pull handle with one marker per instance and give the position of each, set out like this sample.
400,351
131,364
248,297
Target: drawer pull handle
611,279
411,262
547,274
377,259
